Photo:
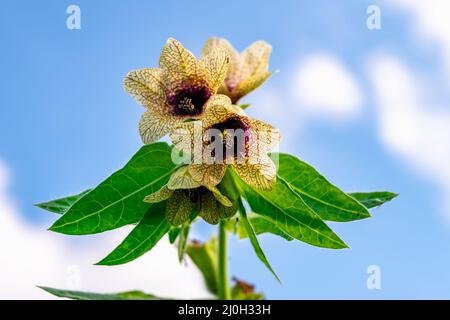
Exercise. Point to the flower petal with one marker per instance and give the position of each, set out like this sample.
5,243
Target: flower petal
248,72
218,100
227,212
153,125
146,87
213,43
256,58
179,207
209,208
208,174
264,135
181,179
162,194
220,197
216,59
235,62
260,175
248,85
180,65
219,109
188,138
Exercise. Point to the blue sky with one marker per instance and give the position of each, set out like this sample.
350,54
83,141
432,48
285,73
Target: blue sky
66,124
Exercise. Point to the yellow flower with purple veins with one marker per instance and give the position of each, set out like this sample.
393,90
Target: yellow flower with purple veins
185,196
247,70
179,89
227,136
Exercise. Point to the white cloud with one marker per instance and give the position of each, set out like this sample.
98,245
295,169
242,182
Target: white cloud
431,22
33,256
408,124
323,86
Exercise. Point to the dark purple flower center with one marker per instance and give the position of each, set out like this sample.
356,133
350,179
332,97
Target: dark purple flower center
196,194
189,100
234,138
193,194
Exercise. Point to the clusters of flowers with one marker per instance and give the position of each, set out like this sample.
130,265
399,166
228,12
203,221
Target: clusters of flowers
196,102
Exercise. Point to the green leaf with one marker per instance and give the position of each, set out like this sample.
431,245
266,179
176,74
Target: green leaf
173,234
328,201
204,256
80,295
182,240
373,199
244,106
290,213
254,240
118,200
262,224
61,205
142,238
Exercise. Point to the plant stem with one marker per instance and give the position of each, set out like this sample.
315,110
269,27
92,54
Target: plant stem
223,289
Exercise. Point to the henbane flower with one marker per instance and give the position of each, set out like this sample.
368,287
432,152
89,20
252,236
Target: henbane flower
227,136
185,196
247,70
179,89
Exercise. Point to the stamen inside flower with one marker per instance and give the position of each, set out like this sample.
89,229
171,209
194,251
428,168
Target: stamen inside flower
234,135
189,100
